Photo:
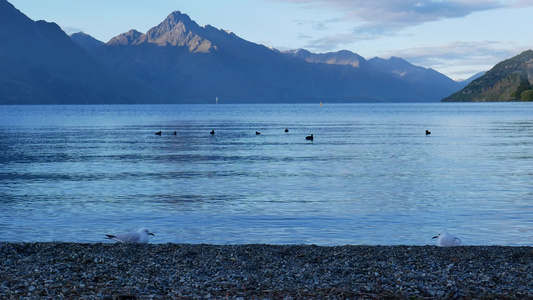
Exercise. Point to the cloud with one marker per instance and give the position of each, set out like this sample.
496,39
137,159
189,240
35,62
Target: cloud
317,25
330,42
337,41
522,3
320,26
386,16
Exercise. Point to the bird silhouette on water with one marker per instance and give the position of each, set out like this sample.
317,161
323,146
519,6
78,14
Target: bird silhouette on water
158,133
309,137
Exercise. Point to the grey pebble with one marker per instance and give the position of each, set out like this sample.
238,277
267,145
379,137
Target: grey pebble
183,271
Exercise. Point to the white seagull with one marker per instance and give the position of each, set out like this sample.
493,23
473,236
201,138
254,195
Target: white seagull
446,239
141,236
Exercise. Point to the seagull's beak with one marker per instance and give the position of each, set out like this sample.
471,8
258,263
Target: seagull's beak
151,234
435,237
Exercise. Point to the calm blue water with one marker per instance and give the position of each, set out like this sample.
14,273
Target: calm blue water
371,175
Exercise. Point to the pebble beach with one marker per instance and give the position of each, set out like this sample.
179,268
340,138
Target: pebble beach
184,271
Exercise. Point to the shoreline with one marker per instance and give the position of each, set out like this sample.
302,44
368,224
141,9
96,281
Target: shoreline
261,271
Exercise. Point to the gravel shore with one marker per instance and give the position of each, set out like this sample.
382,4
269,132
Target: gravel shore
183,271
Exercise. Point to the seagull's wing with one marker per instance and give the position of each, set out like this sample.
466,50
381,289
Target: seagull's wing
457,241
114,238
131,237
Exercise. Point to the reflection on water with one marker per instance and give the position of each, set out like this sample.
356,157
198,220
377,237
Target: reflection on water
371,175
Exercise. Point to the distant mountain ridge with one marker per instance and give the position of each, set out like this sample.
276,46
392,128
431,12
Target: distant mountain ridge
343,57
192,63
86,41
509,80
178,61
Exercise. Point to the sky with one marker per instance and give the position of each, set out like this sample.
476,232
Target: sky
457,38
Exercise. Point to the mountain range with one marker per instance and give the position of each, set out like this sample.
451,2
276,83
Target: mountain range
179,61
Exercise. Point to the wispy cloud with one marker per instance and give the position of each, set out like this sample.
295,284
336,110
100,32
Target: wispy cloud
320,26
317,25
330,42
522,3
386,16
341,40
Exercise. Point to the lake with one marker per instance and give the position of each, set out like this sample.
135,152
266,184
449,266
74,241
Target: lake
370,176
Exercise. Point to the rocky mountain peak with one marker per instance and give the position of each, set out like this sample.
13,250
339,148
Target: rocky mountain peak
177,17
132,37
176,30
175,24
179,30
